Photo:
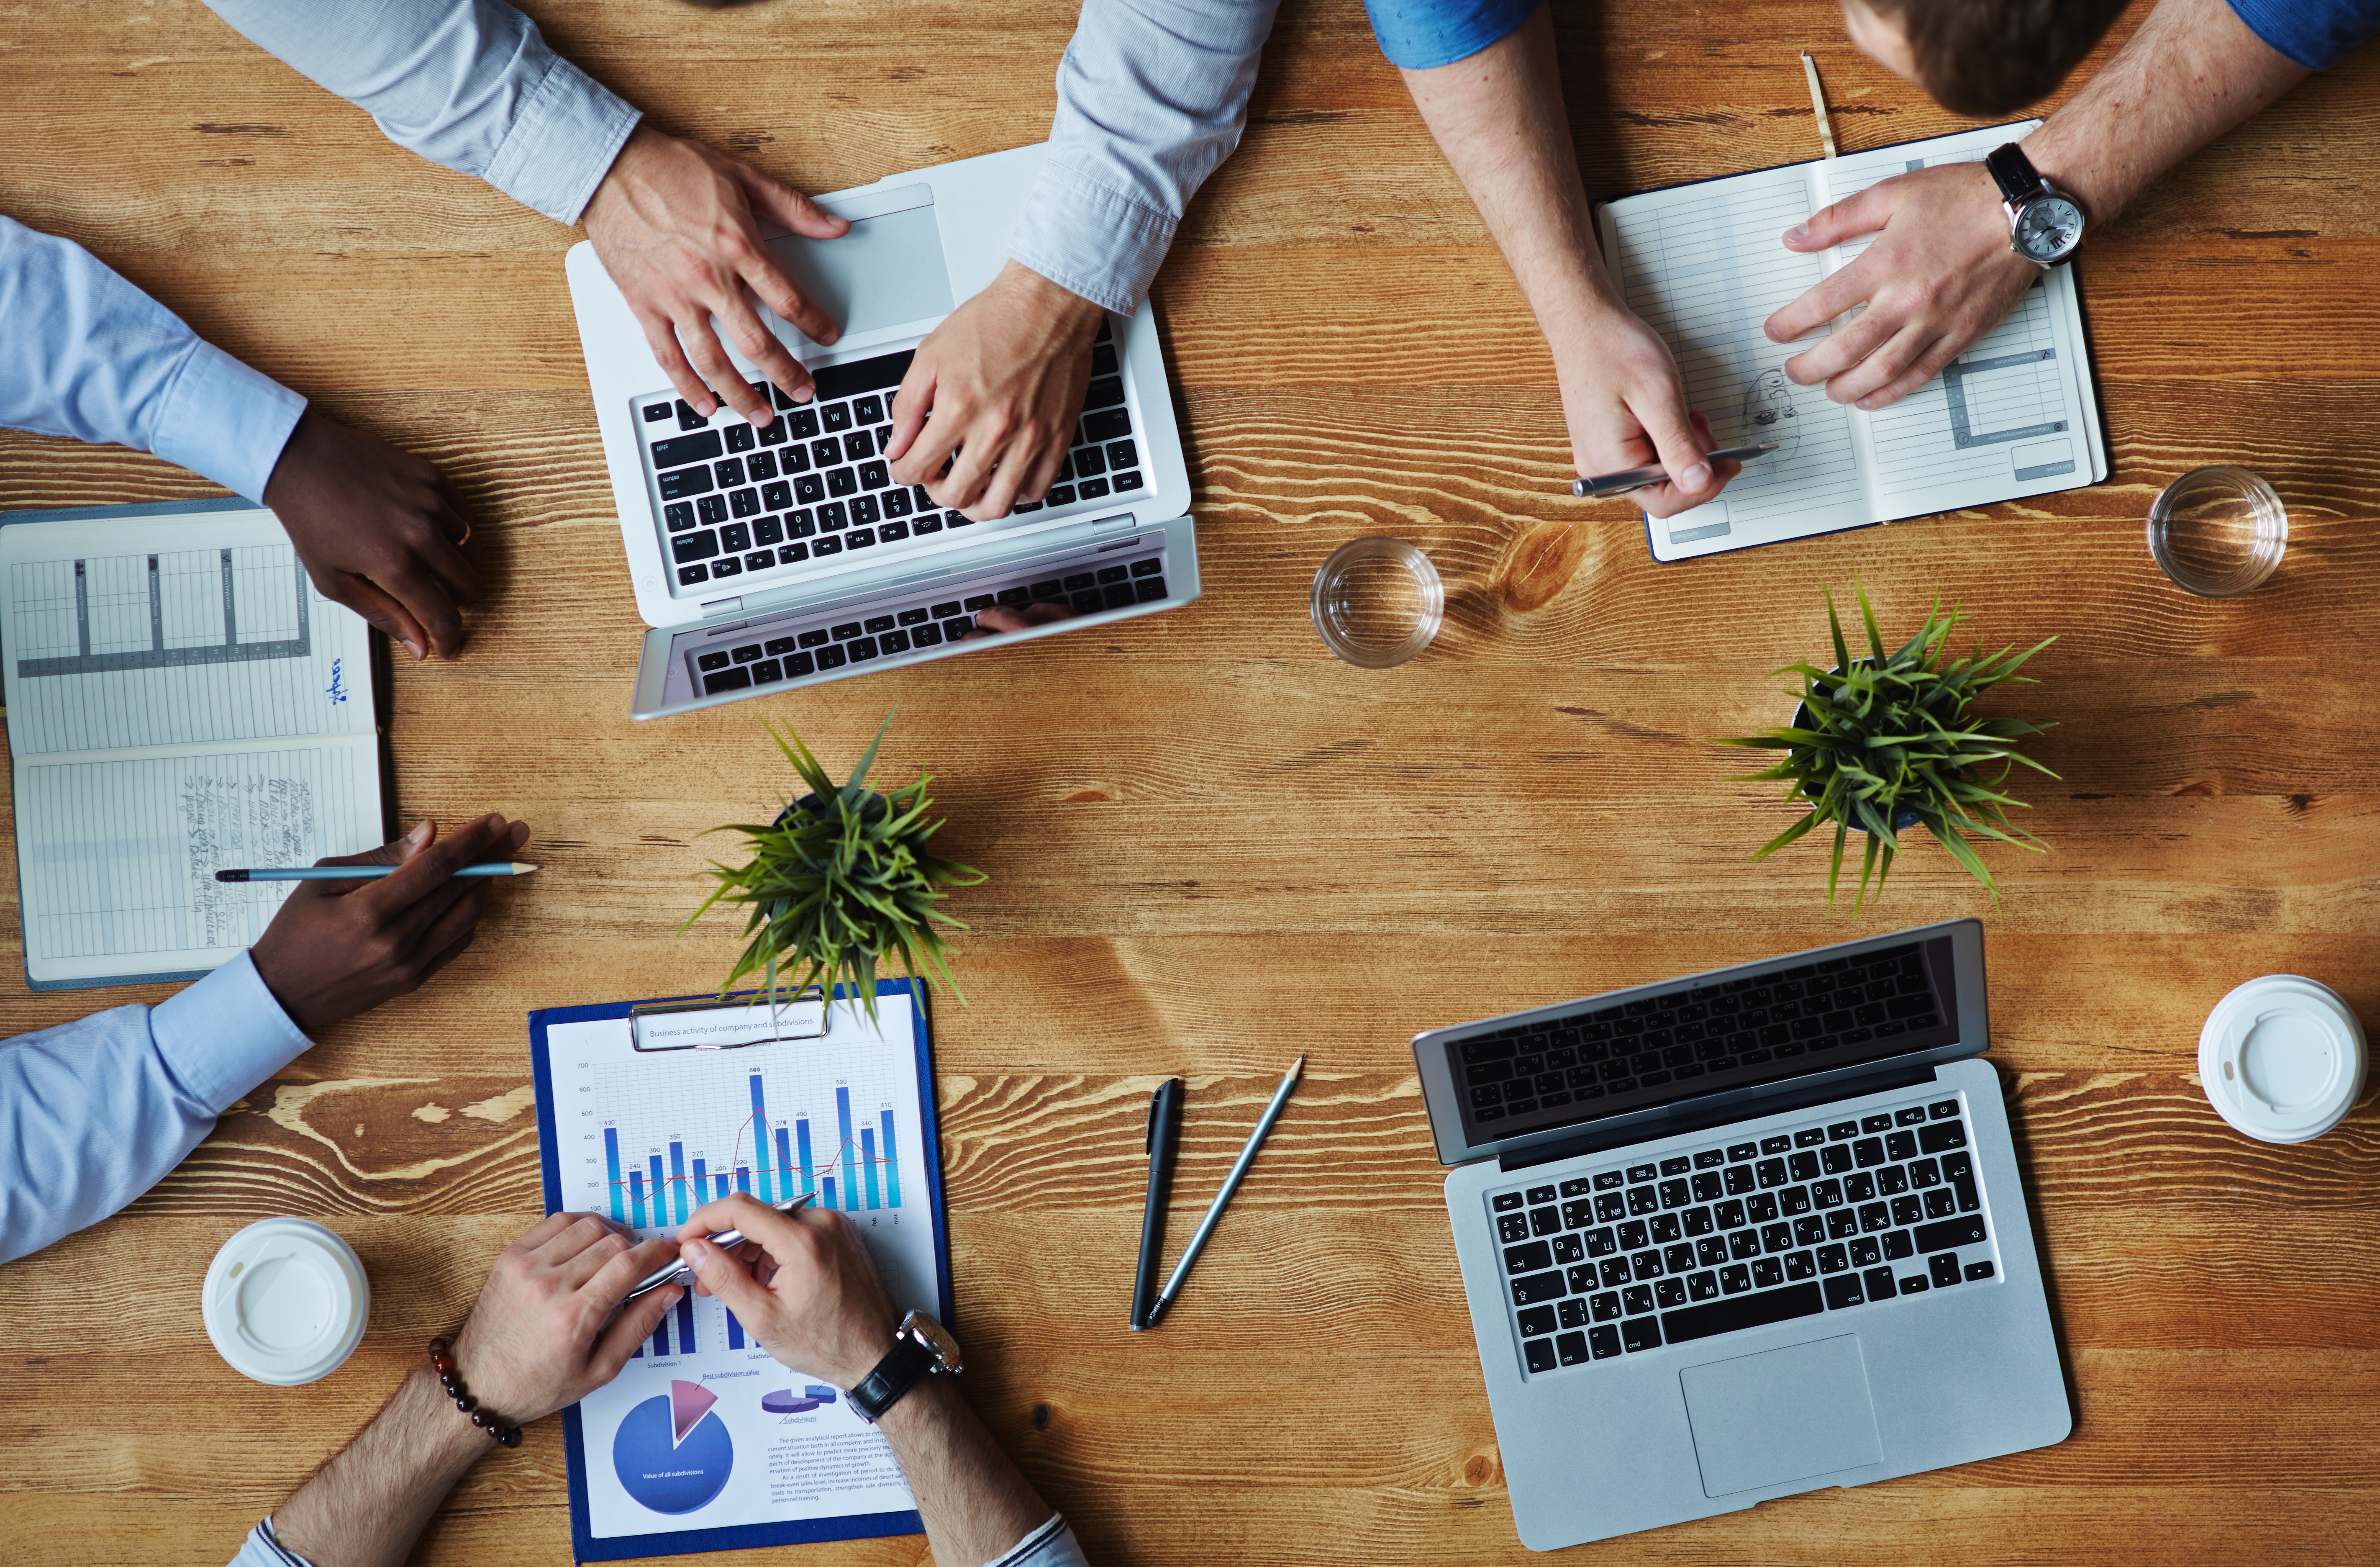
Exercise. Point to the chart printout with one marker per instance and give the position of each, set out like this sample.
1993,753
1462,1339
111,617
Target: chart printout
705,1429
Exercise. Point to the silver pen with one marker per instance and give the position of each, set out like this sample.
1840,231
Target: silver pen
1638,478
1230,1184
677,1273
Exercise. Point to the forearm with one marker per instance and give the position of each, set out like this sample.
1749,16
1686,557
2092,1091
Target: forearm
2191,72
975,1503
94,1112
470,84
1500,119
367,1506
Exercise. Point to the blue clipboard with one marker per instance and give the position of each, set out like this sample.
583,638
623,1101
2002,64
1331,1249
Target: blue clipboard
382,705
746,1537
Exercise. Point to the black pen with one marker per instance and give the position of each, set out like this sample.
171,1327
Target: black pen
1164,1132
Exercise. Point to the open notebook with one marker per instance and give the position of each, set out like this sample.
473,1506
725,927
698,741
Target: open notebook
179,700
1703,265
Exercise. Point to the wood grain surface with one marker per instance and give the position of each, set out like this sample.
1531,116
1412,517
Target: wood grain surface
1211,847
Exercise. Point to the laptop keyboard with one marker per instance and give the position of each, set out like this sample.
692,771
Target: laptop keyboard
737,502
788,647
1831,1217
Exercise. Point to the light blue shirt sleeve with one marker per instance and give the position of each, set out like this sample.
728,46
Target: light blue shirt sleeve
471,84
263,1549
95,1112
92,356
1152,95
1052,1545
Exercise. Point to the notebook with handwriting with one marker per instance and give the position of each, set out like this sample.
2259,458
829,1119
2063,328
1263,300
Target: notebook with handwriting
1703,265
179,700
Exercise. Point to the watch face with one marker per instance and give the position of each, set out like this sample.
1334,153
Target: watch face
2048,229
934,1336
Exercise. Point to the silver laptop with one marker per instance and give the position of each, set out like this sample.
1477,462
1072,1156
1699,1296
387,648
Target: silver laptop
764,559
1745,1234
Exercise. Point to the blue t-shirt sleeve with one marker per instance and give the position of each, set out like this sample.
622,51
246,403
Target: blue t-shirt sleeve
2317,34
1420,35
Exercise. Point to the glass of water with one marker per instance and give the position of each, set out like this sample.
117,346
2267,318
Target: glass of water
1377,602
2218,531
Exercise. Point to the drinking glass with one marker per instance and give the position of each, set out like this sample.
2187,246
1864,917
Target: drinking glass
1377,602
2218,531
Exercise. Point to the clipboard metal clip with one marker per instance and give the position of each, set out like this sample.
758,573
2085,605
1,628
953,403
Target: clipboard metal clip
776,1034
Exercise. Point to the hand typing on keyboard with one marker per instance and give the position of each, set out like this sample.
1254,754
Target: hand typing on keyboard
674,222
1000,618
379,530
987,412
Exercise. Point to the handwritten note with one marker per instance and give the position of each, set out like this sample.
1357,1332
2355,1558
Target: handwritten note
231,820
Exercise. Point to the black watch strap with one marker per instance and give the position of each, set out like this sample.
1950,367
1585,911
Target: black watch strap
2014,173
895,1375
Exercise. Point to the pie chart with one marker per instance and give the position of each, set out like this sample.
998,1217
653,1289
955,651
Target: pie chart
672,1453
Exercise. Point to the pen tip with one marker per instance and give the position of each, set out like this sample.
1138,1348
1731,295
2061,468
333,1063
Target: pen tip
520,870
1297,1069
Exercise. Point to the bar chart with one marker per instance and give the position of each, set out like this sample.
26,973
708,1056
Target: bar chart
664,1177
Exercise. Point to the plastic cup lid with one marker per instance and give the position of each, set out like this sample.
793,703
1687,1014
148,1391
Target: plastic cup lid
2281,1059
285,1300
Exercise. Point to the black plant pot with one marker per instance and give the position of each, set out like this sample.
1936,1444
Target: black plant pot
1902,819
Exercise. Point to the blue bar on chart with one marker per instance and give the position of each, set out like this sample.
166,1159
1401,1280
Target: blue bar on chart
828,1183
802,1130
701,1182
735,1332
868,1159
636,1197
722,1179
685,1323
892,1165
761,1140
677,1179
660,1336
660,1204
611,1168
742,1177
848,1154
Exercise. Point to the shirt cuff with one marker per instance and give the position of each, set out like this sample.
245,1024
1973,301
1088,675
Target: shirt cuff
224,1035
1091,240
263,1549
1052,1545
225,421
570,131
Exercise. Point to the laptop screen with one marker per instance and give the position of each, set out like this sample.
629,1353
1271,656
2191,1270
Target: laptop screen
1735,1031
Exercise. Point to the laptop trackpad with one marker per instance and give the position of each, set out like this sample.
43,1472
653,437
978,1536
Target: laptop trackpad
1785,1414
887,270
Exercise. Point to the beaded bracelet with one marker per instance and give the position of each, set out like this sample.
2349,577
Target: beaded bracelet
442,1360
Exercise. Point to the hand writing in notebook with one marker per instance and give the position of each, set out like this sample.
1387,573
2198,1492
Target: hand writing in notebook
1937,276
340,948
379,531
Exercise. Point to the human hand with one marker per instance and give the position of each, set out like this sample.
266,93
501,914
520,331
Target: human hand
993,394
1000,618
1937,277
379,530
801,1283
536,1340
335,949
675,223
1626,407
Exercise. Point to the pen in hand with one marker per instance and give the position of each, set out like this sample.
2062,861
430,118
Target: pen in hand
1638,478
359,872
677,1273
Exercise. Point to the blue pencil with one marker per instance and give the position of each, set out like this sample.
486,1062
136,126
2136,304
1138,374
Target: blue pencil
354,872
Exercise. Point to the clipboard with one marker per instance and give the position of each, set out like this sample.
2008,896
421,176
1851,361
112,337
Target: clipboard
585,1544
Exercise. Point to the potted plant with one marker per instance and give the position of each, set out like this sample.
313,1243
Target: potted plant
1886,742
840,881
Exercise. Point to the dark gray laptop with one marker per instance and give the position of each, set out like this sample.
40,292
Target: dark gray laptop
1743,1234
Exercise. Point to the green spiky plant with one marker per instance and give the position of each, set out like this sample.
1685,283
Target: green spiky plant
1884,743
838,883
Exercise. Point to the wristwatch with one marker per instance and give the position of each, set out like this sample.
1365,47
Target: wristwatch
920,1345
2044,224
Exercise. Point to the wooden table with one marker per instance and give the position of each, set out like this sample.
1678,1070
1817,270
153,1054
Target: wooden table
1212,846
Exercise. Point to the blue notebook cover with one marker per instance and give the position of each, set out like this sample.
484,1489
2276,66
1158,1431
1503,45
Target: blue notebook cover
585,1546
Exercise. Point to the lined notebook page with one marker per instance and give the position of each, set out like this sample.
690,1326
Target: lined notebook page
1705,266
180,700
2010,416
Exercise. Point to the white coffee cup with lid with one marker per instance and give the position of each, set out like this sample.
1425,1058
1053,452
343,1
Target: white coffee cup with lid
2281,1059
285,1300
